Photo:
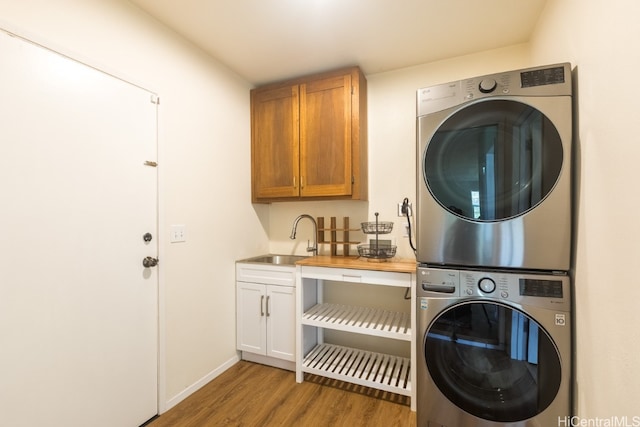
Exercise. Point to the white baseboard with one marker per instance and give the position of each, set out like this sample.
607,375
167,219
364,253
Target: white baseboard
270,361
200,383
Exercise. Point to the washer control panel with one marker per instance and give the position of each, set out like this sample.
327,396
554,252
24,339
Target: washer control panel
487,285
545,290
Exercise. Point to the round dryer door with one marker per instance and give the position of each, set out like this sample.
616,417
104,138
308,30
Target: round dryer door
492,361
493,160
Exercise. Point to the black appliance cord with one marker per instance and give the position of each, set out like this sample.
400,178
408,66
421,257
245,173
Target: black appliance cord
405,209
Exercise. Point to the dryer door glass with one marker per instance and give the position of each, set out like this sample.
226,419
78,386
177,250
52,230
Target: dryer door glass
492,361
493,160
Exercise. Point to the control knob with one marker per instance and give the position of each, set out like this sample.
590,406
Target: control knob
487,285
487,85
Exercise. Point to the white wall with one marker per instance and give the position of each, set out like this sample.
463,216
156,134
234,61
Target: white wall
204,142
601,39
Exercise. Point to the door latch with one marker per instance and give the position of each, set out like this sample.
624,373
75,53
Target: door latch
149,262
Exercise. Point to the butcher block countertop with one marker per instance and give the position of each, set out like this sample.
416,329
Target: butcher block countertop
399,265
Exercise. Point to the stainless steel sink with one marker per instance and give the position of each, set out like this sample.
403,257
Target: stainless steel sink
274,259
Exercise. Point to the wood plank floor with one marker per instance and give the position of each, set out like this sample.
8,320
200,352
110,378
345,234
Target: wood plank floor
252,395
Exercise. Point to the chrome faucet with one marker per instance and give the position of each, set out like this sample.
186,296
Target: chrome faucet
314,248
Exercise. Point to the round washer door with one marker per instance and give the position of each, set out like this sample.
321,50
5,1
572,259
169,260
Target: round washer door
493,361
493,160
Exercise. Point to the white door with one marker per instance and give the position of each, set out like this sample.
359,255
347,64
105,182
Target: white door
78,311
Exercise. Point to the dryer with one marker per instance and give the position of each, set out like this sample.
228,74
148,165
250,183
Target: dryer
494,170
494,348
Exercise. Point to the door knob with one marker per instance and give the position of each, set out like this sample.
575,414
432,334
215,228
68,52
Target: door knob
149,262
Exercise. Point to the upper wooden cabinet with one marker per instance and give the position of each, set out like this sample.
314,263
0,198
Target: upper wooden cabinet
309,138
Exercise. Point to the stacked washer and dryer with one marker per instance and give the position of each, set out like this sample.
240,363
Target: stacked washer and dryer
494,239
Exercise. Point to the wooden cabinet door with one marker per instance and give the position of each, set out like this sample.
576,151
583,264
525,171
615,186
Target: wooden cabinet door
325,137
275,143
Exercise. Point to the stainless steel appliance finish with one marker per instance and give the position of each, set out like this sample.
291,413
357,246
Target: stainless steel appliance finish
494,348
494,171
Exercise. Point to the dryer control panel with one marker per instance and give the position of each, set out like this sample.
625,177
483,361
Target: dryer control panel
548,80
543,290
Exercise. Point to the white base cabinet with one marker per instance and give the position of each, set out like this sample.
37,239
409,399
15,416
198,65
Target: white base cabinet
387,372
265,314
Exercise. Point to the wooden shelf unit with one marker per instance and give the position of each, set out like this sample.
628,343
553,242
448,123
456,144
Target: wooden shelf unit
345,243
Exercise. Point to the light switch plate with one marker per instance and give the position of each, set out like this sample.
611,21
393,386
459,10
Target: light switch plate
178,233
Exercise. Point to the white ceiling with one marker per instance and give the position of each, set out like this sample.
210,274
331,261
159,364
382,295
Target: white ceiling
270,40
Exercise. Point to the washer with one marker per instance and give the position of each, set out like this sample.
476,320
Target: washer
494,348
494,170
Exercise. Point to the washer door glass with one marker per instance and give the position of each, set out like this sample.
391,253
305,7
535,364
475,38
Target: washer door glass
492,361
493,160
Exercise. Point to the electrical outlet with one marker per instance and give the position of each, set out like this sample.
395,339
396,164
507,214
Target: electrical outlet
401,211
178,233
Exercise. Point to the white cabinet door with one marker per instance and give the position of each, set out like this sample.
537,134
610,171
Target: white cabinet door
266,320
251,317
281,322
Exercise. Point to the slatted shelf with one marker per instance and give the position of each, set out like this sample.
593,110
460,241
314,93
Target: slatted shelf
369,369
362,320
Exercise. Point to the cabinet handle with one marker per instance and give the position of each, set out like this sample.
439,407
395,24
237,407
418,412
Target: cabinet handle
268,314
302,182
351,278
294,182
262,305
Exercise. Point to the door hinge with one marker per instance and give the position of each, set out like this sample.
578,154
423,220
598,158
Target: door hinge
150,163
155,99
